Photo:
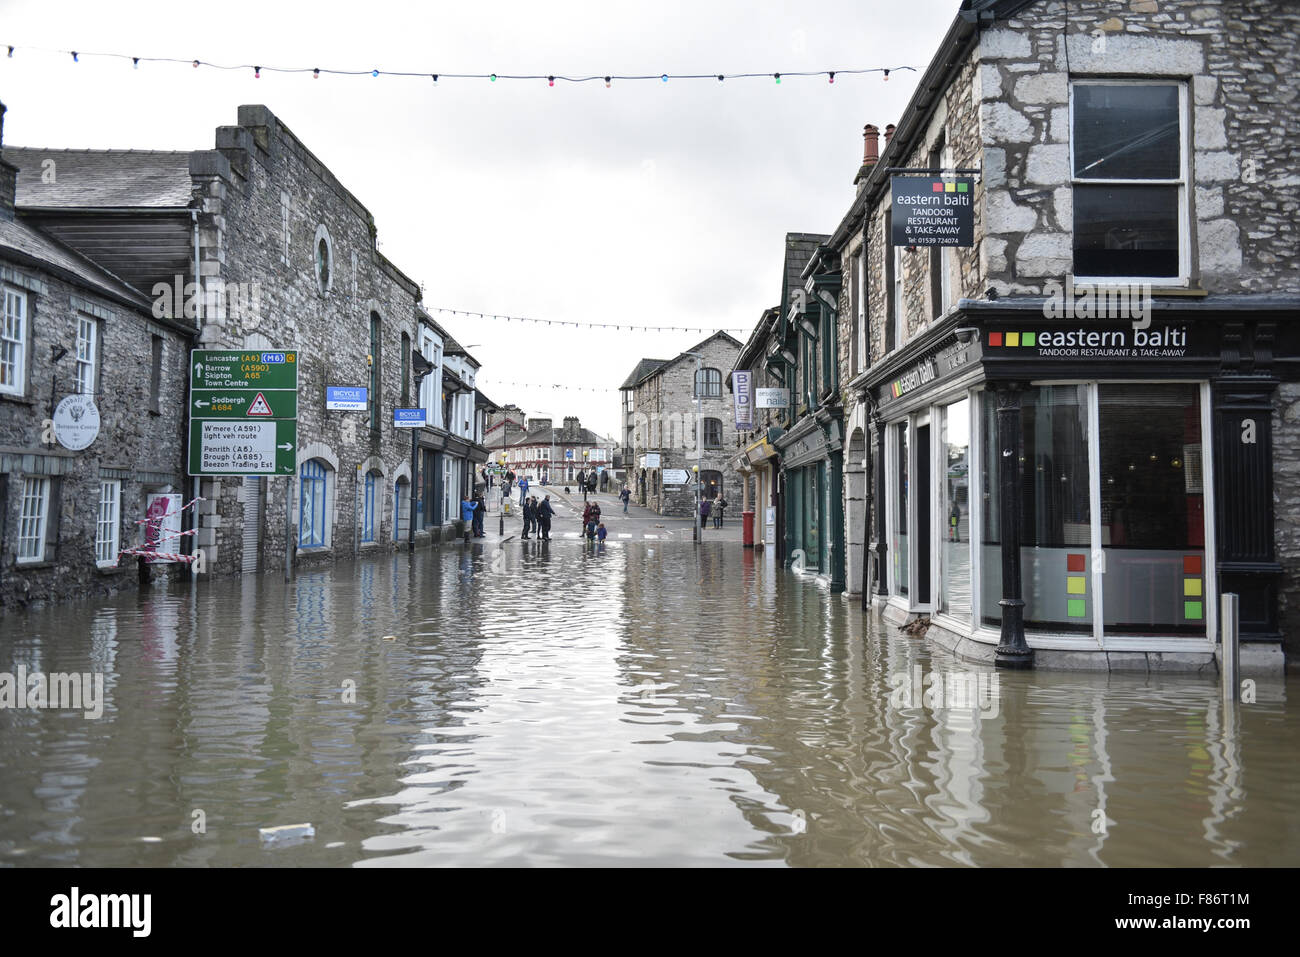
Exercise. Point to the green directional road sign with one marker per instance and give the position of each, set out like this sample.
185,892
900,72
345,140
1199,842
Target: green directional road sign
243,404
243,412
247,369
223,447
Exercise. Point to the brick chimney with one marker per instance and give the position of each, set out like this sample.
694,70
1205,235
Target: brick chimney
870,145
571,425
889,134
535,424
870,154
8,176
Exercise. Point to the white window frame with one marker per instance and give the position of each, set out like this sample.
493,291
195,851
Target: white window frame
1183,279
108,523
36,489
13,335
87,354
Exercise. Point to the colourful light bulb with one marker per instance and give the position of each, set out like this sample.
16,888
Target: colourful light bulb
135,62
886,76
607,83
550,81
374,73
74,57
196,64
664,78
257,73
493,77
778,77
720,77
315,74
832,77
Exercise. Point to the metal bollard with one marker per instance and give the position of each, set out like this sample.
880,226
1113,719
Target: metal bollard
1230,637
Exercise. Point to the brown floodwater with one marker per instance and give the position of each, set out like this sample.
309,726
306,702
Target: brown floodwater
644,704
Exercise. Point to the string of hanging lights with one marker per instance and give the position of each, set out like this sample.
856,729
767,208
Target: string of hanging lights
317,72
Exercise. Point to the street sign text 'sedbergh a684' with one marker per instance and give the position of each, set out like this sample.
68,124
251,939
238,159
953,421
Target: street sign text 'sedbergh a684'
243,412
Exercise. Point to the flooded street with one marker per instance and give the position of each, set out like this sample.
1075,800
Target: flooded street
644,704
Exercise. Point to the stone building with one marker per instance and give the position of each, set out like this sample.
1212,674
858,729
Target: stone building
77,338
1087,395
674,434
286,260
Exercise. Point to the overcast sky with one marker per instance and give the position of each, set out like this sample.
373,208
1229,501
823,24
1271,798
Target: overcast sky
643,204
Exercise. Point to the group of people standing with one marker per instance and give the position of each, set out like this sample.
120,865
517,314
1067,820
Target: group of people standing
592,526
712,507
472,511
537,516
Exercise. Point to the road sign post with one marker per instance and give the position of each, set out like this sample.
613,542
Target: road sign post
244,419
243,412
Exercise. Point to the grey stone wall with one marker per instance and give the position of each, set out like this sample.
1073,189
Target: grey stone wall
266,168
665,417
1286,509
137,446
1240,59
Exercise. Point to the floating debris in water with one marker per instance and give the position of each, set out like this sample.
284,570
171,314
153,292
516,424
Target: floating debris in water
286,832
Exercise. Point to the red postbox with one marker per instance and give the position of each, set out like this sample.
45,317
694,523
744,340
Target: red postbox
747,528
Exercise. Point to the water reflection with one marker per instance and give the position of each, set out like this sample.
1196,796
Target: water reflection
636,703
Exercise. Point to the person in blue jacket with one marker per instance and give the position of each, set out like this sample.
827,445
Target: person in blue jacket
467,509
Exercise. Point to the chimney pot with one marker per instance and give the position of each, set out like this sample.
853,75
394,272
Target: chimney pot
870,145
889,133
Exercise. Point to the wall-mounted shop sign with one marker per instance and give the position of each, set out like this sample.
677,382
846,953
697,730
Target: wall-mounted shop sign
947,362
346,398
932,211
771,398
806,449
1105,341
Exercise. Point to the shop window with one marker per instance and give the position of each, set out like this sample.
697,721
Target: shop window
954,511
313,505
13,343
901,575
1152,509
108,522
1129,166
33,519
708,384
1055,533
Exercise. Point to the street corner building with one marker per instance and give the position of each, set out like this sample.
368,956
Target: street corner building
678,428
1071,432
91,415
256,250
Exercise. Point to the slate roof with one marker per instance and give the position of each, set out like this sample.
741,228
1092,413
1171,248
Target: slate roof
17,237
799,248
643,369
102,179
